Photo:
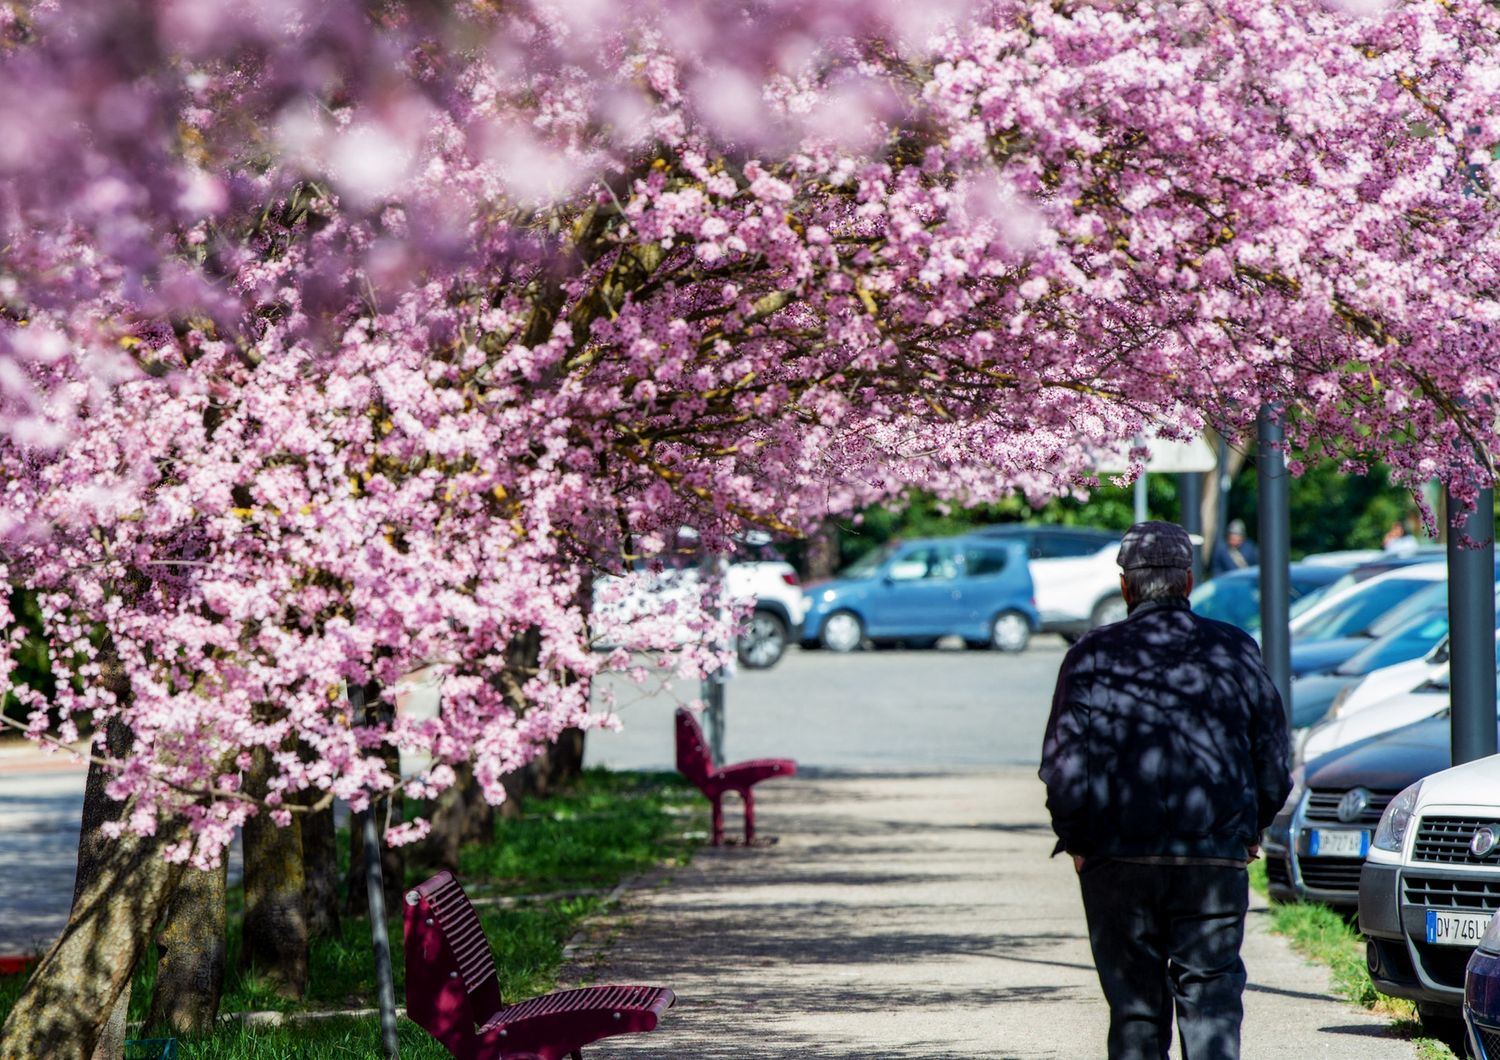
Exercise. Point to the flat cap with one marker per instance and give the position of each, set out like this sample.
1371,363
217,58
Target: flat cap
1155,544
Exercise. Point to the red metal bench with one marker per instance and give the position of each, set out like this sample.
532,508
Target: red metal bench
453,992
695,763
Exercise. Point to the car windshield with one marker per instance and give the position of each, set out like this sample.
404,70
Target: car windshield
1236,598
1442,682
1306,601
870,562
1353,616
1433,596
1228,599
1409,641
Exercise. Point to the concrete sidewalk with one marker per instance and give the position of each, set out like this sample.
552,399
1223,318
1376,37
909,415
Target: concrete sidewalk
910,916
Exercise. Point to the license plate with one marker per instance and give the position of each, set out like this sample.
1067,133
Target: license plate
1338,843
1456,929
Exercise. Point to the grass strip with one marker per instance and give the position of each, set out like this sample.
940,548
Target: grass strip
1328,937
568,849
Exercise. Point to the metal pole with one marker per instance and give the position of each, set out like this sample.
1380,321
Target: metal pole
1141,513
1222,519
380,941
1190,505
713,715
712,689
1275,552
1471,605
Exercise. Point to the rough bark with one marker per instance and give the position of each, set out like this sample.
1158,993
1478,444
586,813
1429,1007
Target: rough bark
822,553
565,759
275,930
190,970
74,1003
459,816
320,867
1213,519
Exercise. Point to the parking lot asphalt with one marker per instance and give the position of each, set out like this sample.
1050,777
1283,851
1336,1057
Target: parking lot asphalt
880,710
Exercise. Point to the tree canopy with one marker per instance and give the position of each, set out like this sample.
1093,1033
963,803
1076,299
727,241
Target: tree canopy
341,338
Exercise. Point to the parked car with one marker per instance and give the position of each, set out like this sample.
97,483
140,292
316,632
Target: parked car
1482,995
1317,843
916,592
1427,700
1430,887
1235,597
1357,610
756,575
1355,576
1313,693
1073,569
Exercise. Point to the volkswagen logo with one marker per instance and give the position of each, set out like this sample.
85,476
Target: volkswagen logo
1353,805
1483,842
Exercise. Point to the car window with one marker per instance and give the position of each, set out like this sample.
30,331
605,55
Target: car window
1434,595
1353,616
985,562
1409,641
870,562
924,562
1066,546
1232,600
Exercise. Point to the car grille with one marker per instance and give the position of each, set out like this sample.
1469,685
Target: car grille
1323,805
1279,875
1444,965
1331,874
1489,1041
1480,895
1446,839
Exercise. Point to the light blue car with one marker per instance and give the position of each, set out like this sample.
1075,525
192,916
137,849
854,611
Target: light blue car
918,591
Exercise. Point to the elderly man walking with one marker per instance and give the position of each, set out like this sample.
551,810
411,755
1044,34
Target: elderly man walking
1165,758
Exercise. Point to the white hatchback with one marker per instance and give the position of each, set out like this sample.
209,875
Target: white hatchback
1413,690
1430,885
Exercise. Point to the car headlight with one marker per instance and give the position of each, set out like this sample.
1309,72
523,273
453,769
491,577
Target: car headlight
1390,833
1299,788
830,595
1491,941
1340,699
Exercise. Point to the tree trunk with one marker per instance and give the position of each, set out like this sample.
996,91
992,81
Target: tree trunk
822,553
190,973
276,935
565,758
459,816
1213,519
320,868
74,1003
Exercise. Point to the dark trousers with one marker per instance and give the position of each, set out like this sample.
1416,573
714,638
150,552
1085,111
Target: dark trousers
1165,937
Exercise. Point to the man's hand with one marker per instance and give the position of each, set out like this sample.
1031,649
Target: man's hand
1252,852
1077,863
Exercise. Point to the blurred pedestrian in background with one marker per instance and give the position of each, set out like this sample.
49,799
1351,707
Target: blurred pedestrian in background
1234,551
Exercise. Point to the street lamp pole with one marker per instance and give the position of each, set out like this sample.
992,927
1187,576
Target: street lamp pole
1471,606
1275,551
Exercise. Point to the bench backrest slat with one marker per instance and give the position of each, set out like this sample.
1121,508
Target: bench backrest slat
693,758
451,982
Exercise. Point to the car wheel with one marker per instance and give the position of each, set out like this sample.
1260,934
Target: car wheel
763,642
1010,632
842,632
1110,609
